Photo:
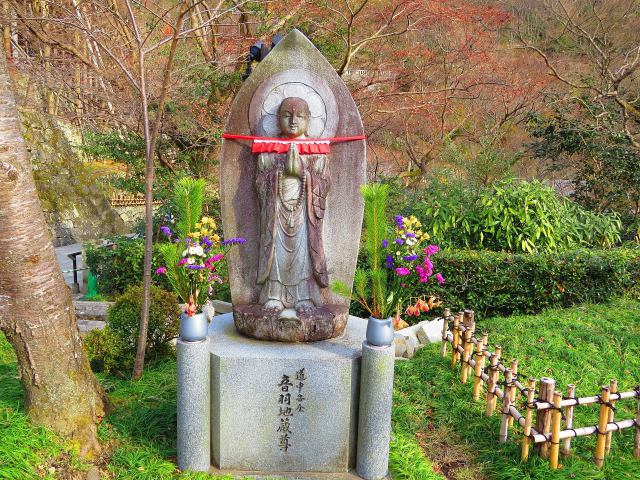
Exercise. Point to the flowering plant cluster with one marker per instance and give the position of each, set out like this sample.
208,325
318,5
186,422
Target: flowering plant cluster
192,263
408,257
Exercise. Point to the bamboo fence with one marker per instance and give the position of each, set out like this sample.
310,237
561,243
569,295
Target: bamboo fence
547,404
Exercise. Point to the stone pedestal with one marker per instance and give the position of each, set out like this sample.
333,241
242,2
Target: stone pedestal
376,393
193,405
279,407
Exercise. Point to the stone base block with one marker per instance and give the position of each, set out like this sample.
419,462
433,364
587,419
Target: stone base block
285,475
284,407
322,323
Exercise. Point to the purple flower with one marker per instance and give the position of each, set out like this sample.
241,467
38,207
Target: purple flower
166,230
195,267
403,271
176,240
398,219
410,258
182,261
385,244
431,249
206,241
399,241
234,241
161,271
389,261
439,278
411,235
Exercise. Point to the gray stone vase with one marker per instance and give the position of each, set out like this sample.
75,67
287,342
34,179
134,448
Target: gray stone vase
193,329
380,331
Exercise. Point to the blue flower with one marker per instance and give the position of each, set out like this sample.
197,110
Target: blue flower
385,244
409,258
399,241
398,219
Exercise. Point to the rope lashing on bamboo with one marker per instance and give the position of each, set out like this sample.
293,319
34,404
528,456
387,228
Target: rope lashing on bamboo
306,146
589,400
584,431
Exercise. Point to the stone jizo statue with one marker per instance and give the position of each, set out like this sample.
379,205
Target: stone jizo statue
292,191
291,166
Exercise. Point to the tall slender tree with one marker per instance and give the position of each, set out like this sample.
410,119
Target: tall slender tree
36,313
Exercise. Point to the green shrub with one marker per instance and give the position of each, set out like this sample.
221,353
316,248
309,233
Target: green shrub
510,216
113,349
105,350
164,320
120,265
498,283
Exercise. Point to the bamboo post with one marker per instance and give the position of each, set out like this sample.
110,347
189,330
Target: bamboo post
602,427
543,419
506,403
568,418
481,348
613,388
468,348
514,390
491,384
528,419
456,340
445,326
636,443
555,430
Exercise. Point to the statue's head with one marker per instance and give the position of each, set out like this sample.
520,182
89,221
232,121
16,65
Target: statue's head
293,117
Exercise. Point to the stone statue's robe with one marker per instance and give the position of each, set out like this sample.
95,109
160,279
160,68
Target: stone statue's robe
292,265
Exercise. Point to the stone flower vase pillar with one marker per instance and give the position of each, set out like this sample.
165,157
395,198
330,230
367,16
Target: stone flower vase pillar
193,401
376,392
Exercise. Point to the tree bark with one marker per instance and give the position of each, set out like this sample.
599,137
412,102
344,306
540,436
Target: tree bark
36,313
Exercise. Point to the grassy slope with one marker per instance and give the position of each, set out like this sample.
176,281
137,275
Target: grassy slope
432,412
586,346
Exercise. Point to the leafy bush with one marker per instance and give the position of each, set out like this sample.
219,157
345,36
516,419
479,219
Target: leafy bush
498,283
105,351
510,216
119,265
113,349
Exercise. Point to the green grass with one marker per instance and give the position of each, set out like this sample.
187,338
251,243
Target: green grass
437,429
587,346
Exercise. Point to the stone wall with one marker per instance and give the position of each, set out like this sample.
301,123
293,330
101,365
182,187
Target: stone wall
74,204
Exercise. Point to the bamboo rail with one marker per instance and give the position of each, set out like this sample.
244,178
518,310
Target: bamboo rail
545,413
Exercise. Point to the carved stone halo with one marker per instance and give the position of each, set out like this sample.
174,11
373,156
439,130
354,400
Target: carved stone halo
263,110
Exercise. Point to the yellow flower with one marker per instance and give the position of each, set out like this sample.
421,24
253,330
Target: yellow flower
204,231
216,238
198,225
195,235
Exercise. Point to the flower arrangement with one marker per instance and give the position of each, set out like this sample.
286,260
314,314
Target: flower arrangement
408,257
395,265
194,252
192,263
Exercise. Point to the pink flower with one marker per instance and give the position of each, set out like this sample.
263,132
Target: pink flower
182,261
423,273
403,271
161,271
428,266
439,278
431,249
216,258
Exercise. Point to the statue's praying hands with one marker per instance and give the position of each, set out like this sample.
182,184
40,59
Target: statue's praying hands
294,165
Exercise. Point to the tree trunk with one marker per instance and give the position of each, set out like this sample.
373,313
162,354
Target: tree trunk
36,313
